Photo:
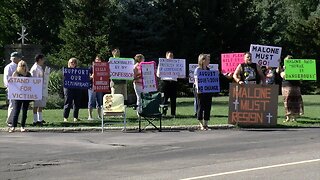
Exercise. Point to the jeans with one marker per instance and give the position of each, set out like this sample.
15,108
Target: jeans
17,104
72,98
95,99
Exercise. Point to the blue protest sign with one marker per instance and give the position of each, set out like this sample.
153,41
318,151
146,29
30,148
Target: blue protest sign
208,81
77,78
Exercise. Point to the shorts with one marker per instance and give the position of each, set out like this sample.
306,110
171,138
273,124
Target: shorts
40,103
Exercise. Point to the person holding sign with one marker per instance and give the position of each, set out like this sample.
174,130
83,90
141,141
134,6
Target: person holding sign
292,99
120,86
137,81
248,72
169,89
72,97
22,71
15,57
95,98
204,99
37,71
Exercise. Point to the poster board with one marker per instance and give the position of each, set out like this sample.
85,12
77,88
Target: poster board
208,81
77,78
192,67
265,55
121,68
172,68
25,88
253,105
300,69
149,79
230,61
101,78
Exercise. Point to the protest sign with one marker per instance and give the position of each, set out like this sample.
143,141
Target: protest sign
149,80
300,69
77,78
25,88
265,55
230,61
192,67
101,80
253,105
208,81
172,68
121,68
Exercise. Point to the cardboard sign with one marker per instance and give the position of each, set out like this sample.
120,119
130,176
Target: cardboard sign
25,88
230,61
77,78
192,67
101,80
121,68
300,69
172,68
253,105
208,81
149,80
265,55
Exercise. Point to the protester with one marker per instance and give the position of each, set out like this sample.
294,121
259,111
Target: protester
270,74
169,89
120,86
204,99
8,71
22,71
95,98
72,97
137,81
248,72
292,99
38,105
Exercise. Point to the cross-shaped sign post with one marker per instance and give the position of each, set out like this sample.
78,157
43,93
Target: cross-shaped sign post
23,34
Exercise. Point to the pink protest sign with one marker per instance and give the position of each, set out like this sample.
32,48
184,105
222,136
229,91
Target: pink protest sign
149,80
230,61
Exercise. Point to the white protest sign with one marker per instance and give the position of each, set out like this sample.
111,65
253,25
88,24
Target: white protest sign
172,68
25,88
149,80
265,55
192,67
121,68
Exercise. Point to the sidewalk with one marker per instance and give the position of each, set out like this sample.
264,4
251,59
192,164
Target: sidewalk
106,129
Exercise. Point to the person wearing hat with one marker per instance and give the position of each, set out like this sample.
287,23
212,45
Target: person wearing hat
15,58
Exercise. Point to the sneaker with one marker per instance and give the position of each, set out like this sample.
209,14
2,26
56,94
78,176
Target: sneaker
43,121
99,118
11,129
65,120
76,119
90,119
23,129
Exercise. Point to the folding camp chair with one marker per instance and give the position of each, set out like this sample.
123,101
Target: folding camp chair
113,105
150,109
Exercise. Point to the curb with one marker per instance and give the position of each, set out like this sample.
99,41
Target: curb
107,129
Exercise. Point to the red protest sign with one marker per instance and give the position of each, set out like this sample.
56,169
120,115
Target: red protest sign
101,77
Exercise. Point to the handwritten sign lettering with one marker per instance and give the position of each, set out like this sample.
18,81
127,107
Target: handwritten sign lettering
208,81
265,55
230,61
121,68
300,69
25,88
77,78
192,67
101,81
172,68
149,80
253,105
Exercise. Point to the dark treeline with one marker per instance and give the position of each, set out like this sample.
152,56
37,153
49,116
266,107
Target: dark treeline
82,28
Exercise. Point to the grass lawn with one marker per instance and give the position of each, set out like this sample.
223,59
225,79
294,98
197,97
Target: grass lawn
185,115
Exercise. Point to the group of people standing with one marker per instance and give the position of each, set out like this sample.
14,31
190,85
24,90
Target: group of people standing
19,68
245,73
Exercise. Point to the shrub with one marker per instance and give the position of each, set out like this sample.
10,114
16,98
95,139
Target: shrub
55,101
55,85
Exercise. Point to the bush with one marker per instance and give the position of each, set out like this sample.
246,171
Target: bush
55,101
55,85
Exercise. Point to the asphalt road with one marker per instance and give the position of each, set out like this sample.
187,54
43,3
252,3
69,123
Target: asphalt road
217,154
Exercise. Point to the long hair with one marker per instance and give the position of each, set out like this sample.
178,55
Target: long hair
202,57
